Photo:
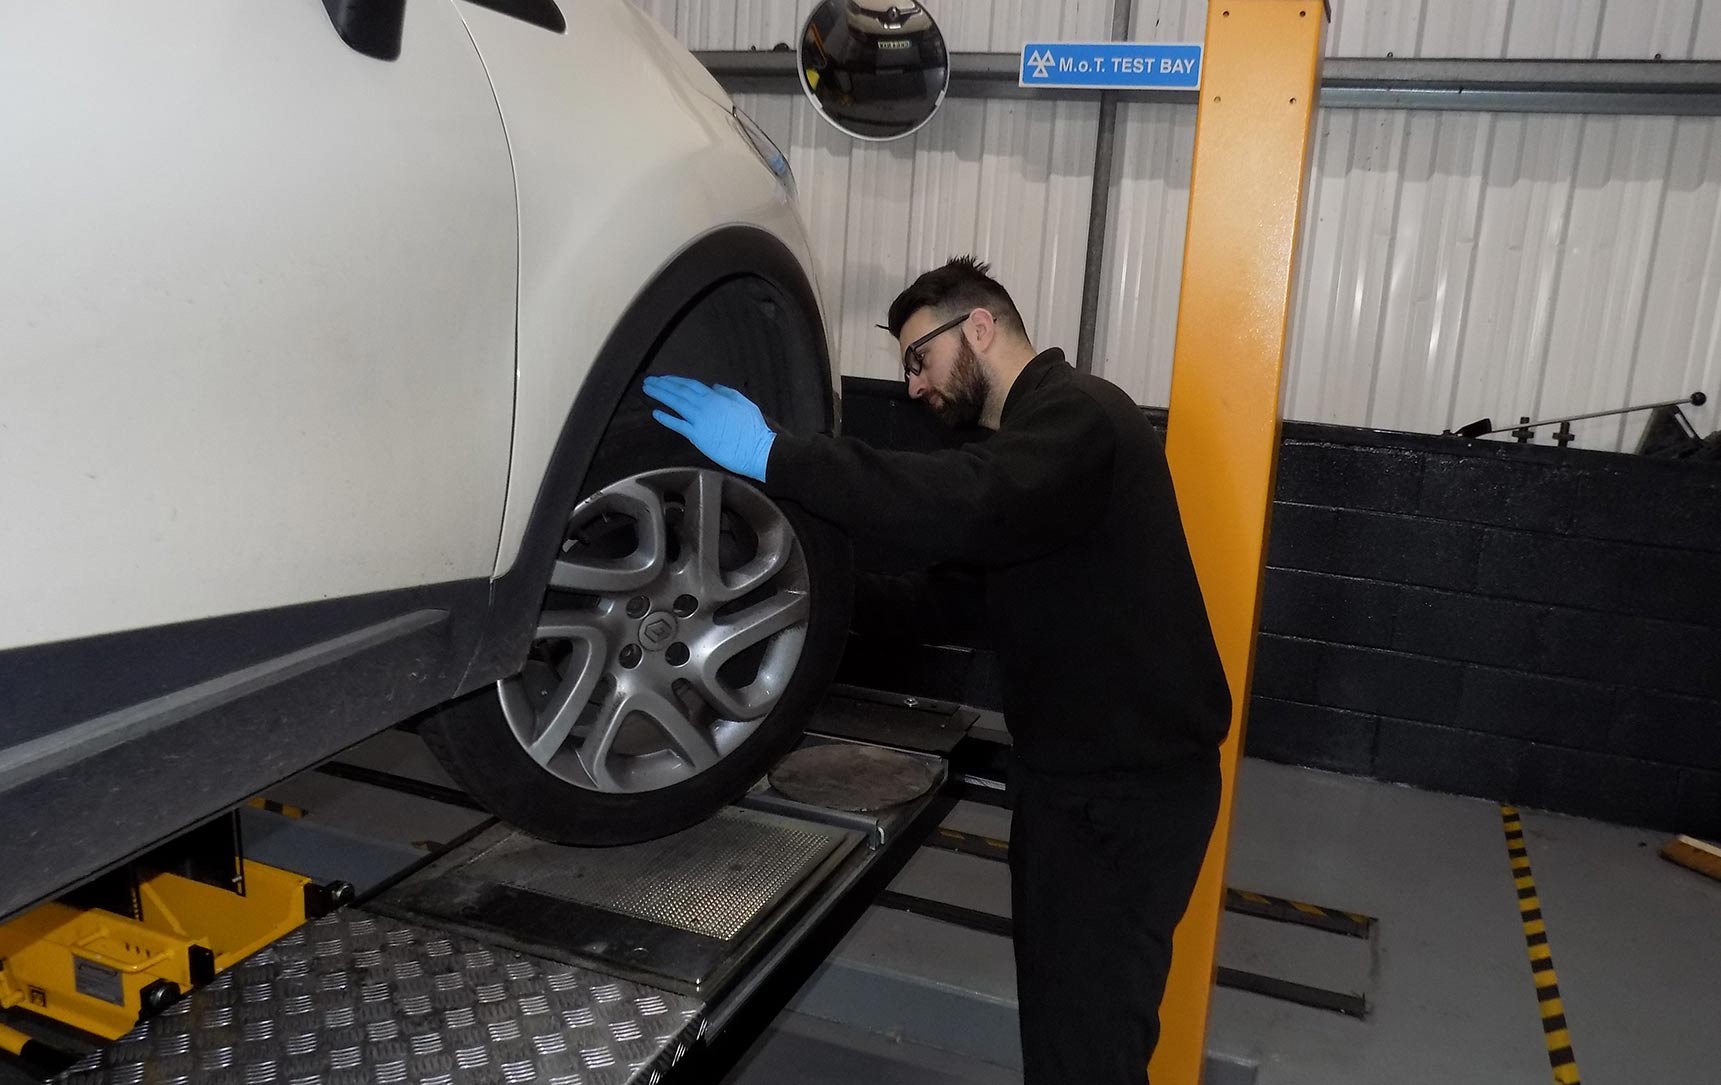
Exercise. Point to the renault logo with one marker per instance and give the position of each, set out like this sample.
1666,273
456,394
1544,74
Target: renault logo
658,630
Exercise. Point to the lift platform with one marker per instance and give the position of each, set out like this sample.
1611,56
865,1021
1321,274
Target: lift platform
508,959
496,957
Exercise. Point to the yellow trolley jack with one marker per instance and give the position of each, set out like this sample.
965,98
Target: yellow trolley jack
124,948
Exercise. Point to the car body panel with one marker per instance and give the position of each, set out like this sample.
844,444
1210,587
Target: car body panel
224,389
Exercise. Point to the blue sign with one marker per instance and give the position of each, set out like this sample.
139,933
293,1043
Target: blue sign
1111,65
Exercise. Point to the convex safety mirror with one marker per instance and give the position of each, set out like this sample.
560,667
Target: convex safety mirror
875,70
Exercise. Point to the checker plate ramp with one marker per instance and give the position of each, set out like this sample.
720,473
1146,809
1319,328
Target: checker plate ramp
358,997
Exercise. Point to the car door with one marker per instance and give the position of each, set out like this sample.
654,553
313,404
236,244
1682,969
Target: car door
256,351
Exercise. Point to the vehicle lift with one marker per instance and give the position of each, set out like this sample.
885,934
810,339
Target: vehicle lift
506,959
497,958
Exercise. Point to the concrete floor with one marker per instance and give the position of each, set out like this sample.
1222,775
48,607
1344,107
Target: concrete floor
1636,945
806,1050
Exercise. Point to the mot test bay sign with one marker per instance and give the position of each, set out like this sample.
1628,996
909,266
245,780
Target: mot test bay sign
1110,65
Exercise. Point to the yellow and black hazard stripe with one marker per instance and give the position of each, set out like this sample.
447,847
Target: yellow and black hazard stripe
1243,902
1554,1027
273,807
970,844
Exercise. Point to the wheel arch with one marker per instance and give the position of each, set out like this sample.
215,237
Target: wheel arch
799,395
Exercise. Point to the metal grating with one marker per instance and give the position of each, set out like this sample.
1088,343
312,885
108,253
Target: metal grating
713,879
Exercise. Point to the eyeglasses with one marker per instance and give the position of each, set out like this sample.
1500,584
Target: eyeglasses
914,355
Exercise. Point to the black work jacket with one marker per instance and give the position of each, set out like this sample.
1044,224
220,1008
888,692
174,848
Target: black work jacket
1060,534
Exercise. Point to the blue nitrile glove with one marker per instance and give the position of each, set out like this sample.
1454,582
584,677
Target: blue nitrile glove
721,422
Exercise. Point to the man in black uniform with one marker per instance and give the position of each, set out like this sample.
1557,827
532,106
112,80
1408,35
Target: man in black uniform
1066,523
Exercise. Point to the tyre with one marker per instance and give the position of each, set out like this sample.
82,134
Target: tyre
690,626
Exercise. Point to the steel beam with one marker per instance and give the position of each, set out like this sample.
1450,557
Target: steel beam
1099,204
1646,87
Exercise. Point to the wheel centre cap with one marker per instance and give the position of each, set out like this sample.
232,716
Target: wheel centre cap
657,631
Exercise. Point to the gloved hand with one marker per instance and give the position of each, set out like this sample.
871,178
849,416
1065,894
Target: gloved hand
721,422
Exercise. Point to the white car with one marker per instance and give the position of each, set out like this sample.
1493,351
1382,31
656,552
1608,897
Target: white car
321,334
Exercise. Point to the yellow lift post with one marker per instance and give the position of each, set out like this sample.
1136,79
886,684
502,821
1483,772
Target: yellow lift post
1261,74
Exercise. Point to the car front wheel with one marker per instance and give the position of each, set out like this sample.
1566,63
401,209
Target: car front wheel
689,625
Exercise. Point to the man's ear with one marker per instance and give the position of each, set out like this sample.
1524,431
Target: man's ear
985,329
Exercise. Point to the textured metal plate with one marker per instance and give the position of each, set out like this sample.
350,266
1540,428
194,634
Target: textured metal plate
681,914
356,998
888,719
848,776
714,879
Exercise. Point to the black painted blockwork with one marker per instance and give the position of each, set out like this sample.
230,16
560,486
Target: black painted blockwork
1313,735
1303,604
1578,594
1520,623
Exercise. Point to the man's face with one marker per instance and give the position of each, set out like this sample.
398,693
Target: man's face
952,379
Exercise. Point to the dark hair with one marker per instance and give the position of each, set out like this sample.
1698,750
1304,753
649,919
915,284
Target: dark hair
960,285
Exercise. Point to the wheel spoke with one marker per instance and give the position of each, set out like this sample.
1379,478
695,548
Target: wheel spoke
704,525
595,750
575,572
571,625
568,703
750,627
729,703
686,738
523,717
775,547
762,620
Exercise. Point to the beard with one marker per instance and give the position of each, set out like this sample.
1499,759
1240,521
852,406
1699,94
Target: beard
958,405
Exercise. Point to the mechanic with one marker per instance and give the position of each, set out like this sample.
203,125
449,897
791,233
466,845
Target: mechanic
1060,531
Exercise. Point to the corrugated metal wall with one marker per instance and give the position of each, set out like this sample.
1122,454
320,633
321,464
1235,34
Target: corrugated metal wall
1454,265
1008,180
1458,266
1483,29
969,26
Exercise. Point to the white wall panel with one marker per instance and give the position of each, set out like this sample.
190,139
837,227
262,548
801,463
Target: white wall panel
1458,266
1144,255
1680,345
1545,29
977,26
1542,29
1169,20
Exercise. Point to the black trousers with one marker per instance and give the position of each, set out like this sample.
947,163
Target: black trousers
1100,874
